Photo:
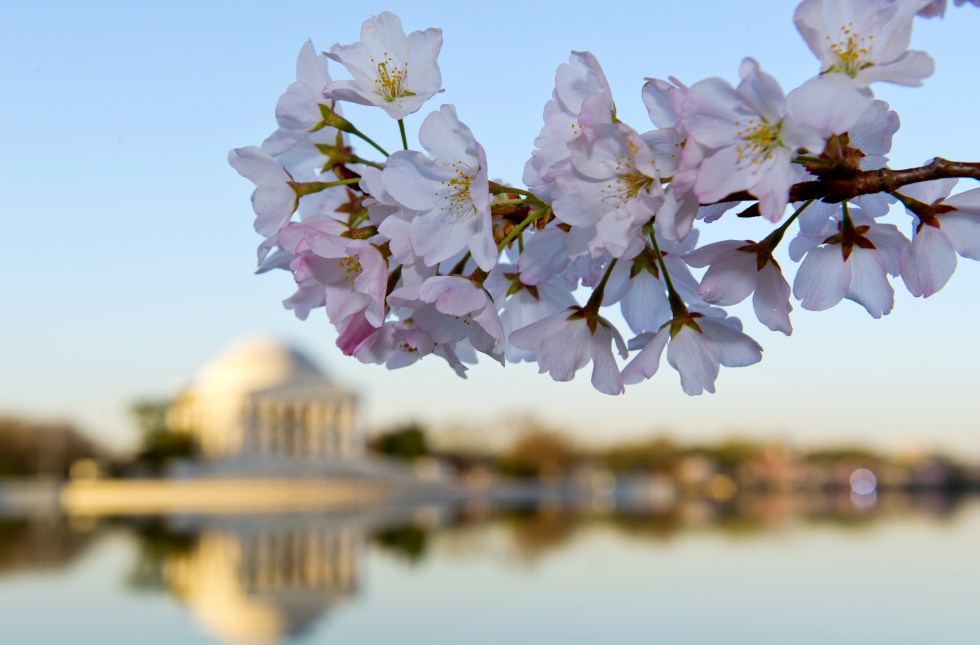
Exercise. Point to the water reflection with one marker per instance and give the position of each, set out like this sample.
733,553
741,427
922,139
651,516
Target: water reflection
265,582
41,543
271,578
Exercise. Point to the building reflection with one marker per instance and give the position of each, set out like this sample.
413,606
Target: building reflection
264,583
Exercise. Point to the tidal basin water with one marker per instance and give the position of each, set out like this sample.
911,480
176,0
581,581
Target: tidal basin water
778,570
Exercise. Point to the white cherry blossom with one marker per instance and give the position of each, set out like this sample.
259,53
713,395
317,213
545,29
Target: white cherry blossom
867,40
854,263
450,309
613,185
581,97
274,199
569,340
737,268
448,189
697,345
748,141
950,228
395,72
522,304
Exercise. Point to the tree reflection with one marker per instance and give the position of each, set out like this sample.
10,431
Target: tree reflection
40,543
408,542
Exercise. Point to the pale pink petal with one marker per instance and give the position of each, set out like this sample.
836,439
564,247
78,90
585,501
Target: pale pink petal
605,373
760,91
710,253
689,354
445,137
731,347
453,295
645,307
822,279
707,110
869,285
966,202
564,352
645,364
830,103
438,236
963,231
908,69
771,299
731,279
544,256
928,192
928,262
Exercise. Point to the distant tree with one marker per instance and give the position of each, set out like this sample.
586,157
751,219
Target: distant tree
538,453
408,542
159,444
654,455
158,544
407,442
29,448
730,453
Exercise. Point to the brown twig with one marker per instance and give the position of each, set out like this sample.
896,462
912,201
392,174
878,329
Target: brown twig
865,182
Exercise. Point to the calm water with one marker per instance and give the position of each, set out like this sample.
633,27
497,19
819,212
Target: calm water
761,571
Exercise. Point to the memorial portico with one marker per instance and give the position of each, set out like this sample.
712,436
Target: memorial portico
262,398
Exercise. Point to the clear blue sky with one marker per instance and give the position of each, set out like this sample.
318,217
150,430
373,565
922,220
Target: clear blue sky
130,247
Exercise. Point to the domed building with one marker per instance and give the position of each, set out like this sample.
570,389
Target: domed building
262,398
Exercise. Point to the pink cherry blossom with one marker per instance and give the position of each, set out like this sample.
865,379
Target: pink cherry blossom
637,284
299,106
613,185
747,137
952,227
274,200
450,309
697,345
581,96
739,268
568,340
521,304
854,263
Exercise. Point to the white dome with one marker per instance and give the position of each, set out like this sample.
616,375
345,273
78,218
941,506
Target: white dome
253,365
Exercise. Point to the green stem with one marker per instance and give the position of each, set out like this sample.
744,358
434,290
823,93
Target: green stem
366,162
913,205
509,202
302,188
808,159
847,215
595,300
774,238
358,133
533,216
677,306
360,219
497,189
401,129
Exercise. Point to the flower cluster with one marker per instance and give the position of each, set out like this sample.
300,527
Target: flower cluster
418,252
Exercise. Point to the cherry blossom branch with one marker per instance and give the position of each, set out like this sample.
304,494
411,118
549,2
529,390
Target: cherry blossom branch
866,182
344,226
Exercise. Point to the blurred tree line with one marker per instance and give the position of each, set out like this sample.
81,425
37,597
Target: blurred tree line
32,448
158,443
543,453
